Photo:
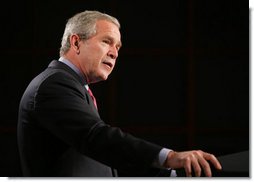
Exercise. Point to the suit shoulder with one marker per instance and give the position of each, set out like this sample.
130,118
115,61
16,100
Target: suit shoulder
53,81
59,79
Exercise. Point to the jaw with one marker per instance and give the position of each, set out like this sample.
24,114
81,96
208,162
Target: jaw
102,75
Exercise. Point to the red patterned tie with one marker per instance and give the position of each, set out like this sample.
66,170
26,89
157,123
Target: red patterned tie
91,94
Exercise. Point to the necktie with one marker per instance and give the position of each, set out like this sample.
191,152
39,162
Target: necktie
91,94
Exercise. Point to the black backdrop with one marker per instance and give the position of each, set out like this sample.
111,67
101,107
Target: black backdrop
187,62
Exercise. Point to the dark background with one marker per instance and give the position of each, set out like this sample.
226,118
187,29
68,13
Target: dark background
186,62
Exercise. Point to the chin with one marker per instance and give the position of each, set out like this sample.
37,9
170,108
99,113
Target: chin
104,76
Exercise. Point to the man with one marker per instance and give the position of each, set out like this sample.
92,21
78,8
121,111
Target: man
60,132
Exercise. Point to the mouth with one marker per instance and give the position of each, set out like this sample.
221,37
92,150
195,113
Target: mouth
109,64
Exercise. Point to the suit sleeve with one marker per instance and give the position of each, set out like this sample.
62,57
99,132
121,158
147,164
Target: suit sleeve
62,108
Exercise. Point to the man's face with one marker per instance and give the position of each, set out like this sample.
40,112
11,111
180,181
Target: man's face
98,54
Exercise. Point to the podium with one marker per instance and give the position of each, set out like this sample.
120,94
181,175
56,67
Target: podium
233,165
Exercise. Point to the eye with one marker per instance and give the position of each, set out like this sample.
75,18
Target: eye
118,48
106,41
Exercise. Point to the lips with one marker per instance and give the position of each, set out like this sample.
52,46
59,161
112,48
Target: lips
109,64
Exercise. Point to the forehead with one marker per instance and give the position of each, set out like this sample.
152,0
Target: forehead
106,24
105,27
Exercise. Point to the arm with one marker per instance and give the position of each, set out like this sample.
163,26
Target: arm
63,110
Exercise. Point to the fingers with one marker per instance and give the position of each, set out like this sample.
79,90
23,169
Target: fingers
196,167
203,158
213,160
194,162
191,165
205,166
198,161
187,167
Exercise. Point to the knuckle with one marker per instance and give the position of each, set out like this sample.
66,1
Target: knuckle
193,156
197,152
200,151
212,156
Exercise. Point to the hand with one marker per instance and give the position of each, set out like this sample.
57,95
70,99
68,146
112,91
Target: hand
196,160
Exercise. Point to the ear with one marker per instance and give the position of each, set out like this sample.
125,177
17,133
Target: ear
74,41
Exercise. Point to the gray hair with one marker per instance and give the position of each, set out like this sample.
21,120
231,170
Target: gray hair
84,25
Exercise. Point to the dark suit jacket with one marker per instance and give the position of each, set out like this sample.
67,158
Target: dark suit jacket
60,133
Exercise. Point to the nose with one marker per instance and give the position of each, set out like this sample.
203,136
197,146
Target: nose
113,53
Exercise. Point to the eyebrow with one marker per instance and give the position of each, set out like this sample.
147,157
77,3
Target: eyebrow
119,44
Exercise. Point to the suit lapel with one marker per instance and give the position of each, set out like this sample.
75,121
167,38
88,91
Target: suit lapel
59,65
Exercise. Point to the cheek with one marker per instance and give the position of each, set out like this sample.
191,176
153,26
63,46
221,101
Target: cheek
94,57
